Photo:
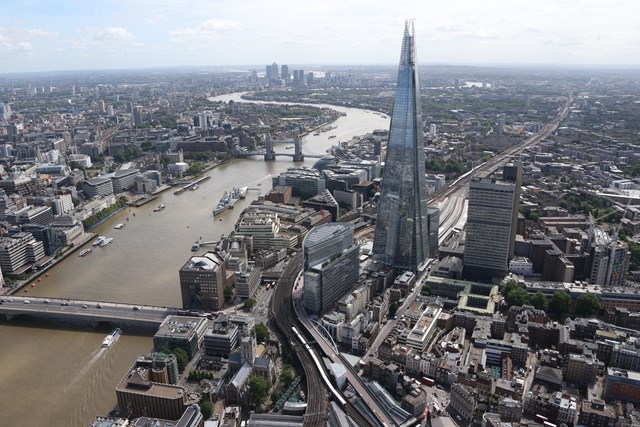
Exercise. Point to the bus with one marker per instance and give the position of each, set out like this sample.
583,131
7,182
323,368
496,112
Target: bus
427,381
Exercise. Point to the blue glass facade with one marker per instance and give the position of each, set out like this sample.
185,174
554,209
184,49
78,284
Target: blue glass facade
402,229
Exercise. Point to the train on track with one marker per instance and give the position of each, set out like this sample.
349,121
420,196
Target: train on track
334,392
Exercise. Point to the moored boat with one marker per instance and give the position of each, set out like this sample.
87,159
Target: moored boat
85,252
106,241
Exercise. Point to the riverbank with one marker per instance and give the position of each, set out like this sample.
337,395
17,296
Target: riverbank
77,245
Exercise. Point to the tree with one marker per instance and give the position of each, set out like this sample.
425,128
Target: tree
517,296
262,332
587,305
426,290
249,304
206,408
228,294
539,301
393,308
258,390
560,303
287,375
509,286
181,357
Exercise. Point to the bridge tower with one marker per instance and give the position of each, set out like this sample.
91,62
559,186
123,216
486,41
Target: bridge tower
297,155
269,154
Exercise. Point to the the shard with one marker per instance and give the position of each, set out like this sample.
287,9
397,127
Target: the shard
402,229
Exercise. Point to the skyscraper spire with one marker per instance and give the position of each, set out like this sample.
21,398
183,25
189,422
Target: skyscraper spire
402,229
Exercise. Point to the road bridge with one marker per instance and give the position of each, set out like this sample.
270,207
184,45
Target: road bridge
85,310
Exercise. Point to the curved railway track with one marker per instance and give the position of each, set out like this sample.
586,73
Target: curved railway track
285,318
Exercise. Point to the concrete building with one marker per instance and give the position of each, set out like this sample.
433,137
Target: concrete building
463,401
264,229
247,282
99,186
182,332
582,370
139,395
202,281
124,179
491,224
331,266
304,182
18,251
222,339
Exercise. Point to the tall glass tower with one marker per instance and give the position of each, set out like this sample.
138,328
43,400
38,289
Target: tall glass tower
402,232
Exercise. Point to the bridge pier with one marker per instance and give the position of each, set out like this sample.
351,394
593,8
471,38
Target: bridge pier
269,153
298,156
9,316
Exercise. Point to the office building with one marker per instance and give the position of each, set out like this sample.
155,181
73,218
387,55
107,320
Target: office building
331,266
621,384
99,186
182,332
19,250
304,182
139,394
493,205
247,282
596,413
202,282
402,234
124,179
222,339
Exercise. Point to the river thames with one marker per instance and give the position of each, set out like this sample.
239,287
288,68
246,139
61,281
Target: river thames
58,375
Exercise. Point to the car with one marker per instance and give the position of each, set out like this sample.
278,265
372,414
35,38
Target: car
1,300
136,308
64,303
85,306
46,301
27,301
98,305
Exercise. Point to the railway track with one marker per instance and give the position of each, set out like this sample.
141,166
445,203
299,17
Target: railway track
285,318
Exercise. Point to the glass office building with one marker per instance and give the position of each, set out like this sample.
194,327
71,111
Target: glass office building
402,232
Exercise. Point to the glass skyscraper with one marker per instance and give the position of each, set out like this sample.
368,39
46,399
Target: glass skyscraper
402,232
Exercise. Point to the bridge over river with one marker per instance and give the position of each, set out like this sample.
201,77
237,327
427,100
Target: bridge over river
84,310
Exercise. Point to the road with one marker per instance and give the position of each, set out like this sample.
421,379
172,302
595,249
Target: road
92,311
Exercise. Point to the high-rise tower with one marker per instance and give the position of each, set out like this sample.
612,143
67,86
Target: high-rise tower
402,234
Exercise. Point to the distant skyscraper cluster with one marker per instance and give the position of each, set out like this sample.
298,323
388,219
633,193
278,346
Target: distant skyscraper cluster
403,226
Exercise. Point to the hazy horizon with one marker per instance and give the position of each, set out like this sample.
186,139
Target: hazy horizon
40,36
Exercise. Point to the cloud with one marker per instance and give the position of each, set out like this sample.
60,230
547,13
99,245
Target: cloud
17,42
209,30
113,34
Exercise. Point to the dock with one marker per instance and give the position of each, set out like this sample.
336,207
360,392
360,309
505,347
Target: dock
191,184
142,201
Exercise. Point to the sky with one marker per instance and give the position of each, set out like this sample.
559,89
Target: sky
47,35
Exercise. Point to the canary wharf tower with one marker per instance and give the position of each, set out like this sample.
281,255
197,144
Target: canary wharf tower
402,230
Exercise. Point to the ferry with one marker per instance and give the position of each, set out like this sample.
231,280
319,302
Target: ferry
159,208
106,241
84,252
112,337
119,226
99,240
